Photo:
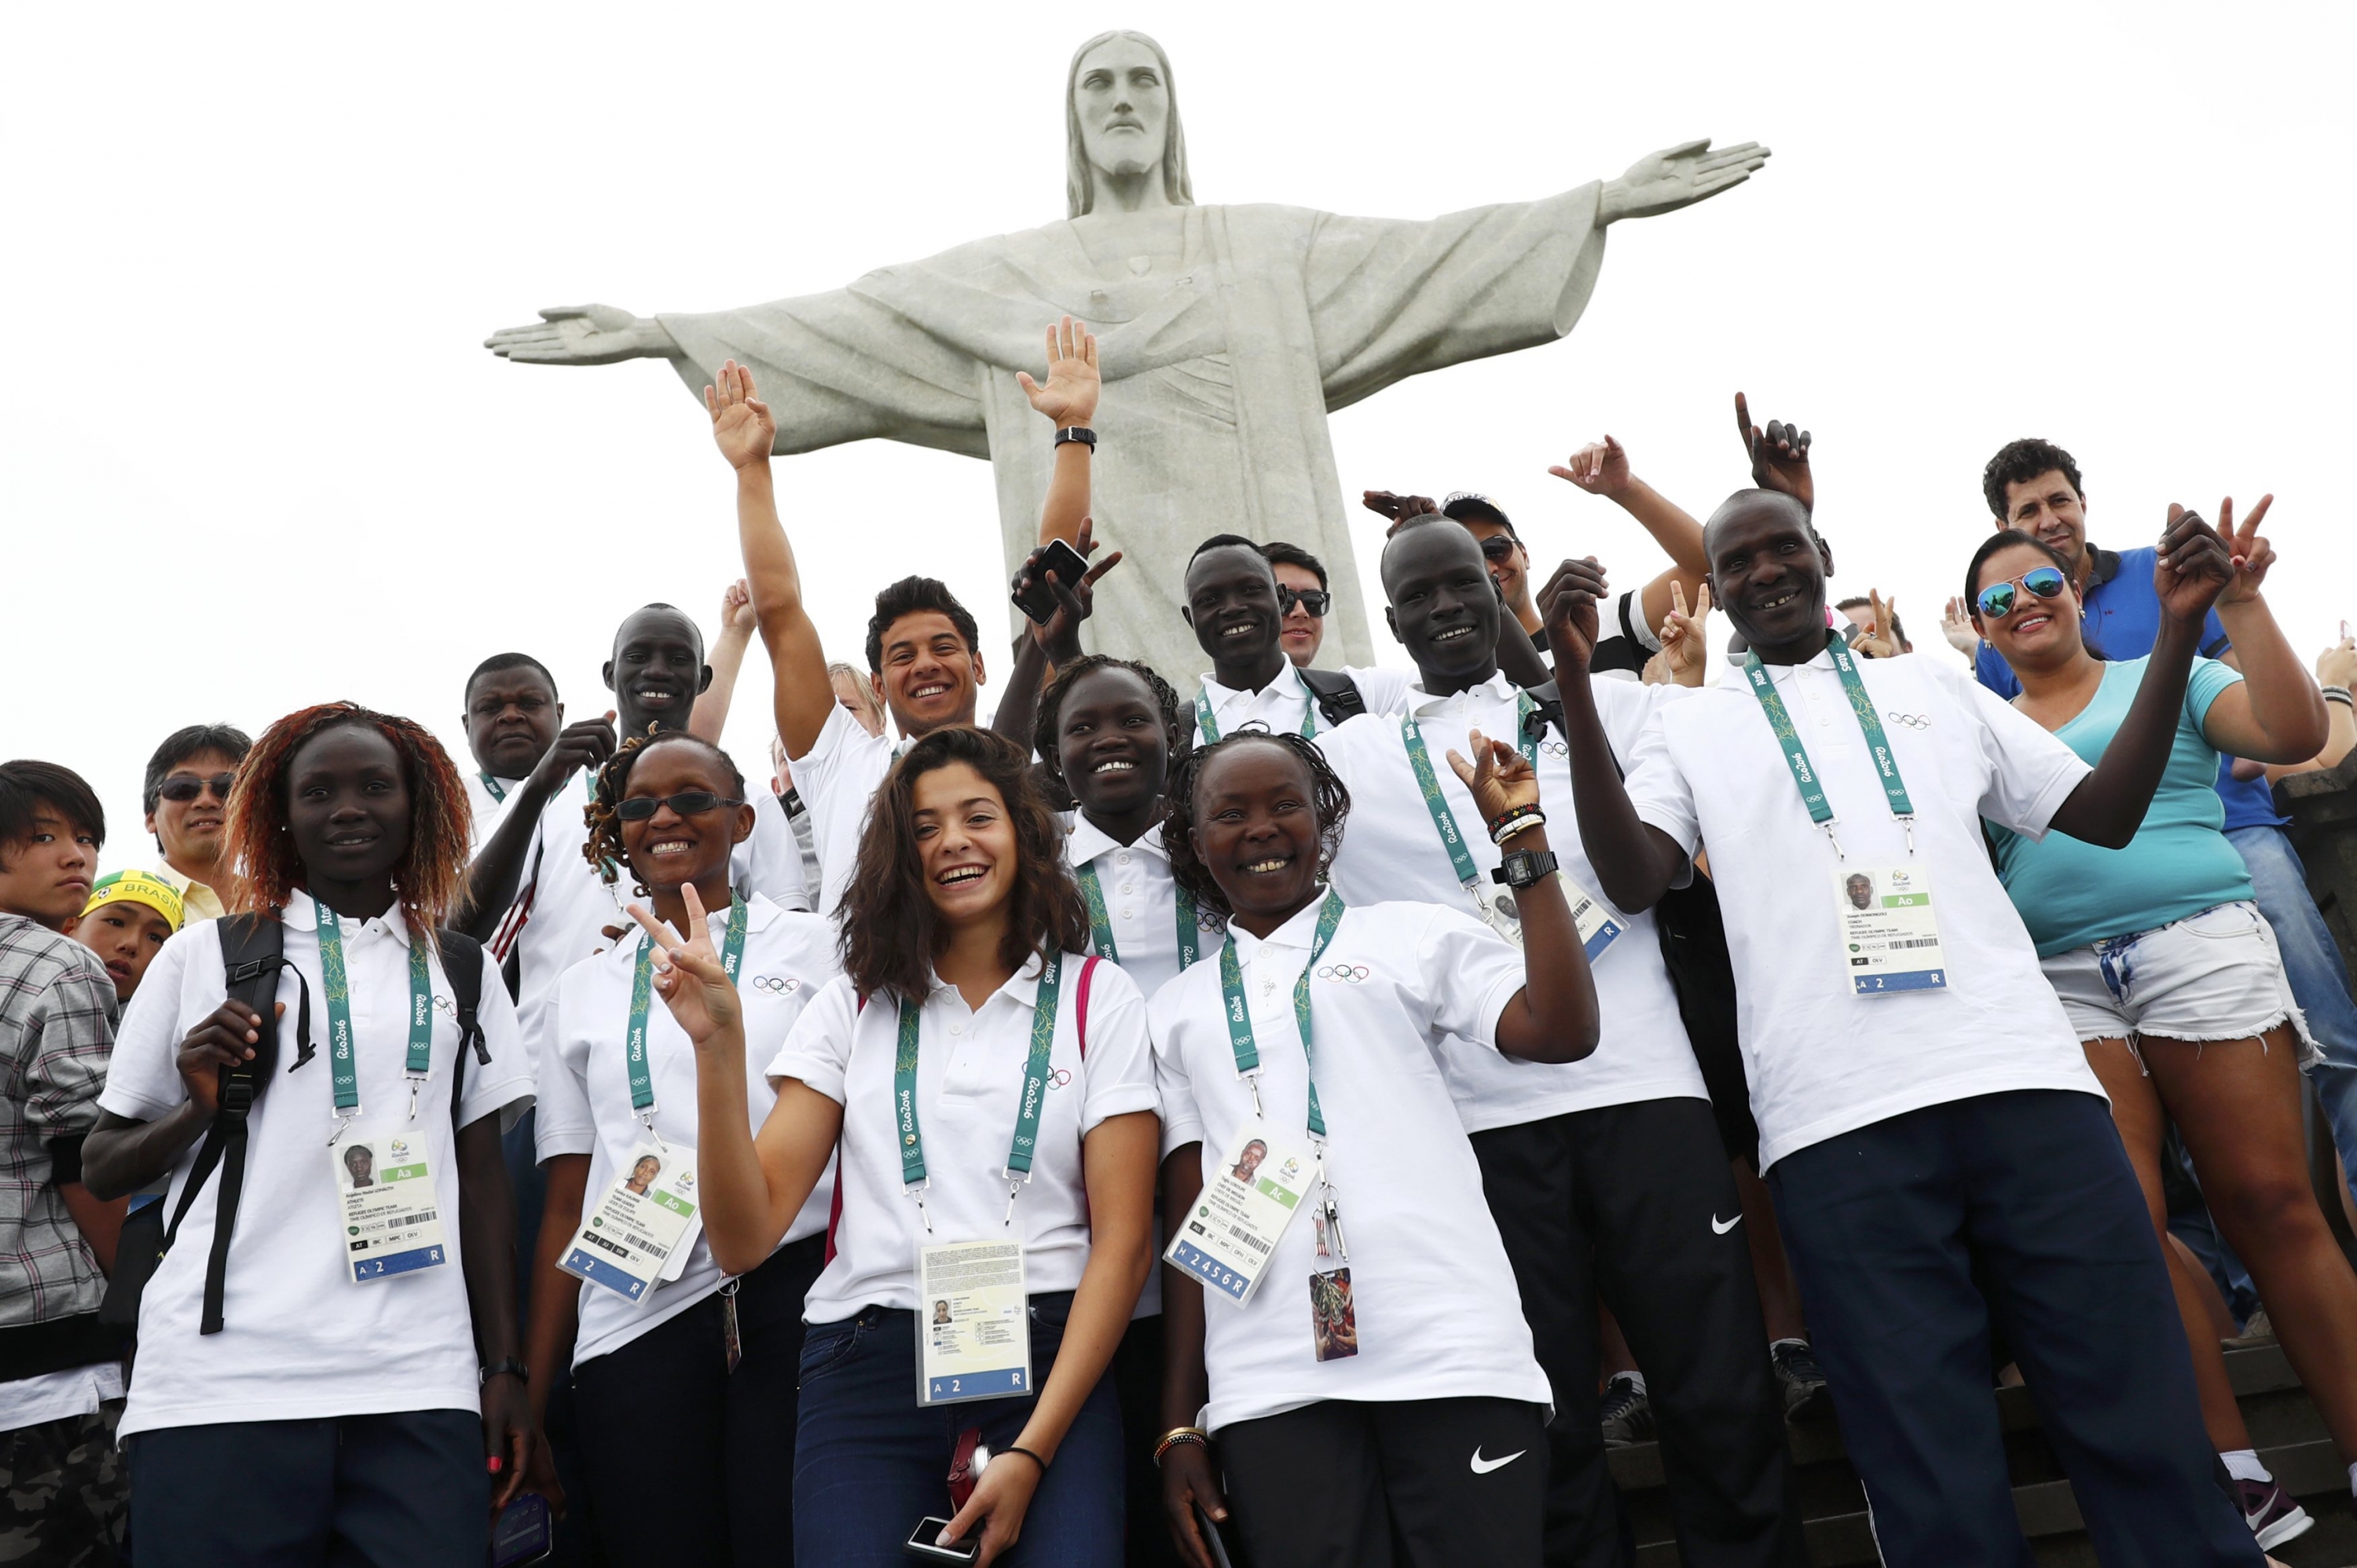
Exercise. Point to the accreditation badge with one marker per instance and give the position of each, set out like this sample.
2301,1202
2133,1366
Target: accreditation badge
643,1225
391,1223
1243,1208
974,1322
1890,937
1598,927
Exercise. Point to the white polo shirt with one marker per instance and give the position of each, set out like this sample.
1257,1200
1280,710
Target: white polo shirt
584,1097
1821,1059
969,1068
563,906
1283,704
1141,898
487,797
301,1341
1438,1311
836,779
1391,850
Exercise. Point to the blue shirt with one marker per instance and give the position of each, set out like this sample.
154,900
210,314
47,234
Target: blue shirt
2071,893
2122,620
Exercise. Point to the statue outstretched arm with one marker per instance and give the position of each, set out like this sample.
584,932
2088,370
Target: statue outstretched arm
744,430
1677,177
583,335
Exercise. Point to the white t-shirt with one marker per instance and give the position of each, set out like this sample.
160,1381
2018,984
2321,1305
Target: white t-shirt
483,807
56,1396
1438,1314
1821,1059
1283,704
1391,850
300,1340
564,906
836,779
584,1097
969,1068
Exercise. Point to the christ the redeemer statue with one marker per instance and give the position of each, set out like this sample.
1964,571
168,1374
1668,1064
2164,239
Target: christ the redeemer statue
1225,336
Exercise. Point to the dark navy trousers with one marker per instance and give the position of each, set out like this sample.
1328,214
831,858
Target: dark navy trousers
1887,1227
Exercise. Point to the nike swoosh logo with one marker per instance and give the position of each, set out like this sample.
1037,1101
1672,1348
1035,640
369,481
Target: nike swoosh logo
1718,1229
1483,1466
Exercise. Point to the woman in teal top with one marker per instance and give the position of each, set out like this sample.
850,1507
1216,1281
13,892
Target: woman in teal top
2171,978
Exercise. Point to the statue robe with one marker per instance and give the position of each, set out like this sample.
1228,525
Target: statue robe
1219,371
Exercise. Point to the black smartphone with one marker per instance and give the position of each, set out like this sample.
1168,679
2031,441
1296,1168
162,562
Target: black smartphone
1038,601
923,1544
1212,1538
522,1534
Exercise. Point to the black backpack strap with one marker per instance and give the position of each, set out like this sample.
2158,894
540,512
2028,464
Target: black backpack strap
1547,711
1338,697
462,961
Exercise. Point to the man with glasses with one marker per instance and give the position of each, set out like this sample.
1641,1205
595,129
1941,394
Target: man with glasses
2034,486
1301,590
186,796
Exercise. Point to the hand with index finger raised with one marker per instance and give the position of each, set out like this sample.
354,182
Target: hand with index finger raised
1779,456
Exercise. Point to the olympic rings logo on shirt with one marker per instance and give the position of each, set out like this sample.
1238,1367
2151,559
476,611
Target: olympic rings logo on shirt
1913,721
1553,749
1059,1078
1344,974
444,1005
776,985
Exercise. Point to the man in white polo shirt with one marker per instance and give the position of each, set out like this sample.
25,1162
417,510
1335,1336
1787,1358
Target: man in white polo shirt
1606,1176
1925,1114
1237,612
512,716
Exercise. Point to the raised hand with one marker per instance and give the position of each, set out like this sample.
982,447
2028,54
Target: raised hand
588,744
582,334
689,976
1569,603
1060,636
1399,509
1600,467
736,607
1677,177
2337,665
742,426
1685,646
1881,639
1500,777
1779,456
2251,555
2193,566
1069,398
1956,625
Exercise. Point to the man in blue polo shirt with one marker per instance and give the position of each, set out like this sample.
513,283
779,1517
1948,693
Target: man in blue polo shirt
2034,485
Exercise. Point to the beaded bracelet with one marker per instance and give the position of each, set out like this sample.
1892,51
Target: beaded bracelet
1513,820
1178,1436
2338,695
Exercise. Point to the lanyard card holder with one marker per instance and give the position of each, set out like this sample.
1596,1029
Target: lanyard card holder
644,1225
1243,1212
1890,937
974,1322
392,1225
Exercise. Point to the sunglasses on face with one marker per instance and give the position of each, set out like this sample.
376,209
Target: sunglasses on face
184,787
1317,601
1998,599
686,803
1499,547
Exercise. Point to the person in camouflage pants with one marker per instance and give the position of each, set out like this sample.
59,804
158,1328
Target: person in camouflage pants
61,1490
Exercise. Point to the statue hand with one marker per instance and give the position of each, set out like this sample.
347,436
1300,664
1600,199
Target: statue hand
582,334
1677,177
1069,398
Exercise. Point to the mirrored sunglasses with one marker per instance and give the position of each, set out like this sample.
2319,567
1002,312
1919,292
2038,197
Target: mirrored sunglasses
184,787
1998,599
686,803
1317,601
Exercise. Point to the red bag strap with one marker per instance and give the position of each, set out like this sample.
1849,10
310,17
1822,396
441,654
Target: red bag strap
1080,1024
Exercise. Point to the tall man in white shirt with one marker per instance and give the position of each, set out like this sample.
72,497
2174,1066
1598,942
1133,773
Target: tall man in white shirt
512,718
1237,613
1924,1112
1606,1176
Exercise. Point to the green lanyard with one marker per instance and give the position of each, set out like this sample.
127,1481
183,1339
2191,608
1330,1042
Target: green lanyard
1427,782
497,792
642,988
337,984
1190,931
1026,1114
1240,1029
1207,728
1796,756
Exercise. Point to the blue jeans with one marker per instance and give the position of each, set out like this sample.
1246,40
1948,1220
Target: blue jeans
869,1461
2320,981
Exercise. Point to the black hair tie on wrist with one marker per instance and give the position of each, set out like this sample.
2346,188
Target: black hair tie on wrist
1012,1448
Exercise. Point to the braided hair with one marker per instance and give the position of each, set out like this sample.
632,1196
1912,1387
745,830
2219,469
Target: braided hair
603,847
1045,727
1328,795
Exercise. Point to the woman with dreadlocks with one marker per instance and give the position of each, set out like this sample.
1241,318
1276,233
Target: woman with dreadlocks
989,1083
1367,1337
661,1340
328,1371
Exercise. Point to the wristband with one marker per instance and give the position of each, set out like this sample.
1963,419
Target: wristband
1017,1448
2338,695
1079,432
502,1367
1513,820
1178,1437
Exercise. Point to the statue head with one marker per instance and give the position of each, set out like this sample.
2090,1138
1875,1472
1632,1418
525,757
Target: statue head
1121,117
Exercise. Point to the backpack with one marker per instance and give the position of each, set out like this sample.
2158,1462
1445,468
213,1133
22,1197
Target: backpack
253,954
1337,696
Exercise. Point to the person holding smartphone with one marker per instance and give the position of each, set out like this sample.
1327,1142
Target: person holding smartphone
1358,1355
989,1084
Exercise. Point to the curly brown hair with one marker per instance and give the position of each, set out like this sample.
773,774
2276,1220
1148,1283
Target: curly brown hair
1327,796
603,848
430,878
889,930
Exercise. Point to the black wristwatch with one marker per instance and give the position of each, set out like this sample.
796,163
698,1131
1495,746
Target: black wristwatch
502,1367
1079,432
1524,868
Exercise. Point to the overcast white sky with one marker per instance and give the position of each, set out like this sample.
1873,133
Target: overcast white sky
253,456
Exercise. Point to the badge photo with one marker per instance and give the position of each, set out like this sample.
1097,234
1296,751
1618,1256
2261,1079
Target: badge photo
1890,936
643,1228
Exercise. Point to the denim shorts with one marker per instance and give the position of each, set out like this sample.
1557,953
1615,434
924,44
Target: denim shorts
2212,976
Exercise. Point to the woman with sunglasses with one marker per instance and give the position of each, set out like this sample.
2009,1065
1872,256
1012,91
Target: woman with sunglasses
661,1340
990,1087
2170,976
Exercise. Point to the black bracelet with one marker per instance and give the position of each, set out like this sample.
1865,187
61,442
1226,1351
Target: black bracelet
1014,1448
1511,821
1079,432
502,1367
